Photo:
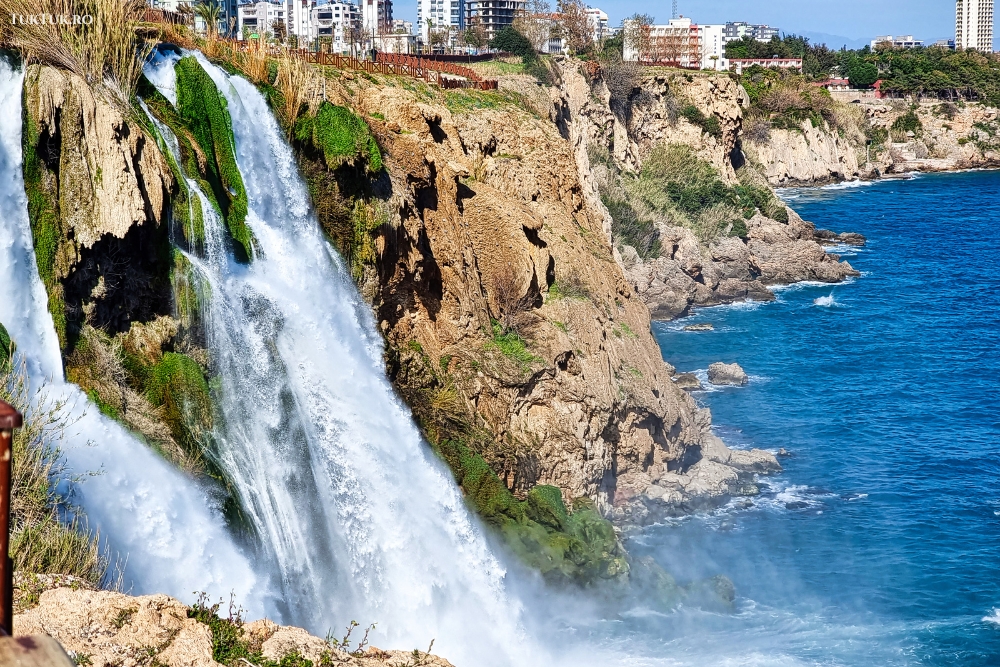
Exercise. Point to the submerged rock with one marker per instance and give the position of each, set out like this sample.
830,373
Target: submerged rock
727,374
700,326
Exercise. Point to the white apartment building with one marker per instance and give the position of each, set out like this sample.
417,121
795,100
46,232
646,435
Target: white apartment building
376,16
974,25
333,21
599,22
676,43
739,29
712,39
401,27
258,18
443,15
899,41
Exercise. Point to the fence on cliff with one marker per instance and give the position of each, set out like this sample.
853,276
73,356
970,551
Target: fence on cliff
431,70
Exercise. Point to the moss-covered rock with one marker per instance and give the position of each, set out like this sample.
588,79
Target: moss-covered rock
203,111
46,227
578,547
177,384
340,135
6,349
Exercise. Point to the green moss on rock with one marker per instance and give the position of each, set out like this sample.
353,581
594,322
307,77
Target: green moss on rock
203,111
340,135
6,349
566,547
178,385
46,229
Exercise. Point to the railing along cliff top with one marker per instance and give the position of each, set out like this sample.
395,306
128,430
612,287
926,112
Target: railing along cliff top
428,69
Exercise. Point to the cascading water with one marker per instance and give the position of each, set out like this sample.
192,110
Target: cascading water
354,516
150,514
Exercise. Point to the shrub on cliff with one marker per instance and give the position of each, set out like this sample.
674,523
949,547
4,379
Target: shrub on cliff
511,41
908,122
675,187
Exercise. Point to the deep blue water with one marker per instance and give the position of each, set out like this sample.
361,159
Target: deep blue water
889,402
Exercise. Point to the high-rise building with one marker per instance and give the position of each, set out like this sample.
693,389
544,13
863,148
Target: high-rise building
974,25
376,16
443,18
493,15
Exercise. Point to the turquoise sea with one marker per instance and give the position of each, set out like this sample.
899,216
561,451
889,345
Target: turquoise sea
879,544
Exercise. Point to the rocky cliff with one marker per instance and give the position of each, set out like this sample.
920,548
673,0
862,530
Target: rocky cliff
511,326
945,137
698,258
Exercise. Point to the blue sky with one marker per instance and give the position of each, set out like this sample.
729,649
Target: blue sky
851,19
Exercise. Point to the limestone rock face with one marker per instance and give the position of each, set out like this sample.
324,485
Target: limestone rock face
808,155
112,175
489,204
688,273
721,373
952,137
115,630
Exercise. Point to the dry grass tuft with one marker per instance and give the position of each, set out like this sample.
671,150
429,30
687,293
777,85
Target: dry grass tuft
48,536
108,51
292,82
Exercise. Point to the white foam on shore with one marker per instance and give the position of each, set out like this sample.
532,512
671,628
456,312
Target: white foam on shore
847,185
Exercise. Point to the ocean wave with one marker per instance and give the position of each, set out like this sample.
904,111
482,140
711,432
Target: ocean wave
993,617
847,185
844,249
802,284
825,301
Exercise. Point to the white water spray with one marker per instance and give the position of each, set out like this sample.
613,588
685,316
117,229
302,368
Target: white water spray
149,513
354,515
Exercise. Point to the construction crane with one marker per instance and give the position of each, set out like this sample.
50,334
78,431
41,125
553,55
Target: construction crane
674,14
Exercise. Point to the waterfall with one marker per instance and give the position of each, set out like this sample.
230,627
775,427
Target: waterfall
149,513
354,516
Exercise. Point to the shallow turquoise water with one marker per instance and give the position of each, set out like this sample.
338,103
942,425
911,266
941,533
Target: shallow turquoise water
879,544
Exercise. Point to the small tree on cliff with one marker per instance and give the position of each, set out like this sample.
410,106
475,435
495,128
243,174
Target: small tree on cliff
577,28
511,41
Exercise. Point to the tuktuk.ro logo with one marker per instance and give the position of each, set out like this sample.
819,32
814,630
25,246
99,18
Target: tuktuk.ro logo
51,19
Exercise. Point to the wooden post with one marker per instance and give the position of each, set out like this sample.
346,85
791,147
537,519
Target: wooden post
9,420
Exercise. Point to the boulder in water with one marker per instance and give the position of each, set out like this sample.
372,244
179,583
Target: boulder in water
714,594
688,381
727,374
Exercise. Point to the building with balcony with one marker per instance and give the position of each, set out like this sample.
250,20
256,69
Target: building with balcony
897,42
376,17
338,24
674,44
599,23
258,19
974,25
493,15
761,32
